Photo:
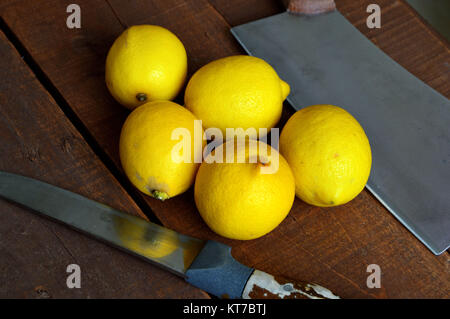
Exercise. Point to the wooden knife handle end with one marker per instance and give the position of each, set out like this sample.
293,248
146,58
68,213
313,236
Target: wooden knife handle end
309,6
262,285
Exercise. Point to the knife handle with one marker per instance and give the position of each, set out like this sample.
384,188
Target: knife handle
262,285
215,271
309,6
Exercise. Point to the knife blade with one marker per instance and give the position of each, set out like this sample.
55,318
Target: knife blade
326,60
207,265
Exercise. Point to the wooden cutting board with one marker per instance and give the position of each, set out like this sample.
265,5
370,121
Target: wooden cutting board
332,246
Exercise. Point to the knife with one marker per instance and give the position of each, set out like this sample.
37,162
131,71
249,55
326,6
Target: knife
326,60
207,265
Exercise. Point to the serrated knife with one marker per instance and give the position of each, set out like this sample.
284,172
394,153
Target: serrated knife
326,60
207,265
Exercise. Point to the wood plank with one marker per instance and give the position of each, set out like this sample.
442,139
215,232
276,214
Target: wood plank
330,246
240,12
38,141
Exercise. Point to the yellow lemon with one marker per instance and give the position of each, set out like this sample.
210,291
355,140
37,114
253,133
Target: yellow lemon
145,63
150,150
329,154
247,197
236,92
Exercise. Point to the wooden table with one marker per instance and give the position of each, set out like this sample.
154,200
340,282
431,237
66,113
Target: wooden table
59,124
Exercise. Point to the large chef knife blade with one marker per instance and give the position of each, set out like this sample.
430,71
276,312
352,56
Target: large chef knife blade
205,264
328,61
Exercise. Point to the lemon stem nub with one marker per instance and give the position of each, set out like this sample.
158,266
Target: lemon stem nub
141,97
263,161
159,195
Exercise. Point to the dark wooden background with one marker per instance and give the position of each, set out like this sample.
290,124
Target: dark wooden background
59,124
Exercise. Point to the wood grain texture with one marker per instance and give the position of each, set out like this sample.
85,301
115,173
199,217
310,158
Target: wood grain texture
37,140
333,246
